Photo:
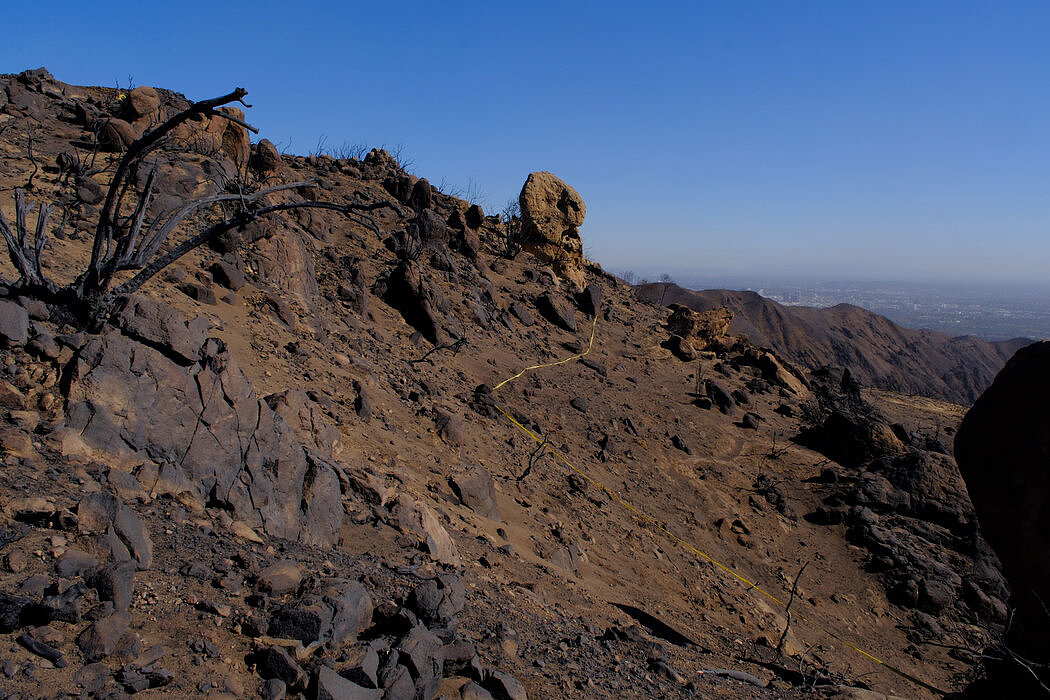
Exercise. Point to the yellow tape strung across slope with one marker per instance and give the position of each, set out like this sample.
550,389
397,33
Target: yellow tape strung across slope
642,515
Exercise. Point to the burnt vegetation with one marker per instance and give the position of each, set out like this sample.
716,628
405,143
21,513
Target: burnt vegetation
135,232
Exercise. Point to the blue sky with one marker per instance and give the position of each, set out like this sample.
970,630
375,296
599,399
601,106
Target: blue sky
905,140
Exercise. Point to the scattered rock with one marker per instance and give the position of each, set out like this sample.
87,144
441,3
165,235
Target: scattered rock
282,577
438,601
332,686
477,491
557,312
14,324
274,662
74,562
101,637
504,686
227,275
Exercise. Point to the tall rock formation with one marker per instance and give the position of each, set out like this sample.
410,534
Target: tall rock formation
1003,451
552,213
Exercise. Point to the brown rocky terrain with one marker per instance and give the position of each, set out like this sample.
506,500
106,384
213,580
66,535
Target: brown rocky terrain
877,351
282,466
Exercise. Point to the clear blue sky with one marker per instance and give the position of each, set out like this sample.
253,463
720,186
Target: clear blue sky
831,139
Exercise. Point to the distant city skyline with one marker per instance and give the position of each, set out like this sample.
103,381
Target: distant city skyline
860,140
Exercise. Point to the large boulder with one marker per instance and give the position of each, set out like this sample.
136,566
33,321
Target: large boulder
1003,452
551,214
131,401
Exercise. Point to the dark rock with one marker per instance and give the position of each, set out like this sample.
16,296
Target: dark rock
274,662
398,683
37,310
477,491
1001,449
42,650
307,619
557,312
679,444
89,191
44,345
475,216
504,686
719,396
473,691
126,398
579,403
227,275
703,402
751,420
522,314
92,677
423,653
96,512
115,135
331,686
362,667
198,292
160,326
432,229
14,324
74,562
595,365
132,532
274,689
64,606
681,347
449,427
590,300
362,404
458,655
352,608
421,196
12,612
421,303
438,601
100,638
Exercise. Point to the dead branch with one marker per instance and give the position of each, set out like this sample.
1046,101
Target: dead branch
454,347
534,457
32,159
104,232
237,121
787,610
25,252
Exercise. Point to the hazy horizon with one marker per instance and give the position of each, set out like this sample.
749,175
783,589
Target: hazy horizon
889,140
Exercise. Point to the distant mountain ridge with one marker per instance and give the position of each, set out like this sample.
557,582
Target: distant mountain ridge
876,350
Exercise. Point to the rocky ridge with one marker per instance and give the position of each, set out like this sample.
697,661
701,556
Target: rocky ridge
877,351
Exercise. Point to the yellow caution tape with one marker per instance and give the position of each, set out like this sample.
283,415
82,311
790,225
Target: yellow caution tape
645,517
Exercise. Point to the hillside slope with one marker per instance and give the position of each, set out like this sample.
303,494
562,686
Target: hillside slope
880,353
280,467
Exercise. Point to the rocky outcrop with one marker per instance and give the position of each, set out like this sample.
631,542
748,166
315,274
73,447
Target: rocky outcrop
552,213
699,329
1003,451
203,426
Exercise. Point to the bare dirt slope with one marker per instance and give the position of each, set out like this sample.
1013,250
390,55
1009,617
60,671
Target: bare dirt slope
487,564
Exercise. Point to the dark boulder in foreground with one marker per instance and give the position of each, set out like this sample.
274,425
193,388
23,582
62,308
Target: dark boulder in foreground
1003,451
